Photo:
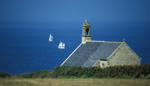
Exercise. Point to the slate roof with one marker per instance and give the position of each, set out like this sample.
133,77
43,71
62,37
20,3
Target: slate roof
87,54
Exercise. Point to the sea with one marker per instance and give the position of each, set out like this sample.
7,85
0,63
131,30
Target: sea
24,46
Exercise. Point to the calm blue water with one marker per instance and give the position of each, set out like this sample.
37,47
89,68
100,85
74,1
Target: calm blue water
25,48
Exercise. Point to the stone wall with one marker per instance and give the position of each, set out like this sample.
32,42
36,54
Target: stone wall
84,39
101,63
124,55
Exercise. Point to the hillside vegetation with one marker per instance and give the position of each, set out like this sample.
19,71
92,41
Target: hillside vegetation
96,72
124,72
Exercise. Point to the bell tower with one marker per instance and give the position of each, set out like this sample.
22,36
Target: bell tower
86,31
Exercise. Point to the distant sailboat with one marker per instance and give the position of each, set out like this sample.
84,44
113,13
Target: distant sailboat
61,45
50,38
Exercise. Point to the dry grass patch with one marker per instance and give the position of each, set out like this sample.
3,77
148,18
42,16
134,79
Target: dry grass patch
74,82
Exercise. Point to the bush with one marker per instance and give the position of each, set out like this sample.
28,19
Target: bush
147,77
5,75
96,72
38,74
88,72
24,75
41,74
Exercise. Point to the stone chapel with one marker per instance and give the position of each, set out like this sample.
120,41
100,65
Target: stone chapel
101,53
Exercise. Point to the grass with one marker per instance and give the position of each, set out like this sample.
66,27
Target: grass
74,82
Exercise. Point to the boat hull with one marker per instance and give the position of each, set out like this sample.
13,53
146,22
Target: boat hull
61,47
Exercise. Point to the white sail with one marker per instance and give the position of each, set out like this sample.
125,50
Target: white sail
50,38
61,45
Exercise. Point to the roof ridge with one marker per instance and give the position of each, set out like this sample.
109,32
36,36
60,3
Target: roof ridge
104,41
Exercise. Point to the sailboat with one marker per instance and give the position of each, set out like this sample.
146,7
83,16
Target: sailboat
50,38
61,45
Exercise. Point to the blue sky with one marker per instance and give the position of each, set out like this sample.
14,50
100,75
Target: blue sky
74,10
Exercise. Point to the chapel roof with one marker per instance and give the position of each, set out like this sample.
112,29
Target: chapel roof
89,53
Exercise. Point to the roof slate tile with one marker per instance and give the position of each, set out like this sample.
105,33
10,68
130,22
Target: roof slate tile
88,54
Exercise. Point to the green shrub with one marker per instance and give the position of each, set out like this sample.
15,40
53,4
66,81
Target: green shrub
88,72
147,77
38,74
96,72
5,75
41,74
24,75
